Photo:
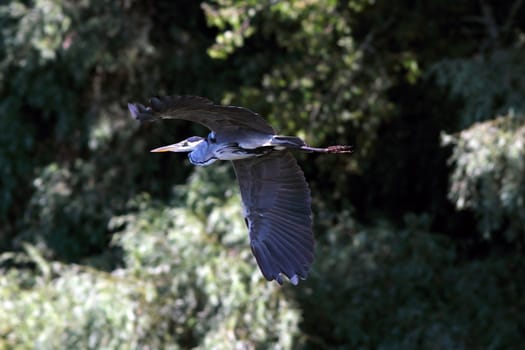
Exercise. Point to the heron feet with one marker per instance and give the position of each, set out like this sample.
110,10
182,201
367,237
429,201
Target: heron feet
339,149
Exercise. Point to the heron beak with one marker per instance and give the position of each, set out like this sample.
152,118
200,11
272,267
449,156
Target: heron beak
187,145
170,148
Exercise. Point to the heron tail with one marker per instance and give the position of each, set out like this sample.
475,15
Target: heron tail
287,141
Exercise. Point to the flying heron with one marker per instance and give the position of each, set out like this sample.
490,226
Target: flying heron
275,196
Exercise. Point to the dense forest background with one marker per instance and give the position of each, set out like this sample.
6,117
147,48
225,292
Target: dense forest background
420,233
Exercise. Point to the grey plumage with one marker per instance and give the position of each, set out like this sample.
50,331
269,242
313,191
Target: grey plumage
275,195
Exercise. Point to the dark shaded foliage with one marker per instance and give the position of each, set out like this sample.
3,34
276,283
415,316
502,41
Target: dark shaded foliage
420,232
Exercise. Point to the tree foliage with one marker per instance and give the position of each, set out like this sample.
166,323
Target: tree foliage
489,175
188,281
420,234
487,85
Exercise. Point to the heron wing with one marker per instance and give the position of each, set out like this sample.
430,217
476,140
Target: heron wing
277,210
200,110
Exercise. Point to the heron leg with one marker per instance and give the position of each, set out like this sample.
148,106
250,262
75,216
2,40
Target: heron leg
291,142
329,149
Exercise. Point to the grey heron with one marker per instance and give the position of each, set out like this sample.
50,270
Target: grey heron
275,196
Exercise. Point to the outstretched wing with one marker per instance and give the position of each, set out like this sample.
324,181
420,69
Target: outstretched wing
200,110
277,210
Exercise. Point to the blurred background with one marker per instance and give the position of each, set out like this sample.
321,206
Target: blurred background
420,233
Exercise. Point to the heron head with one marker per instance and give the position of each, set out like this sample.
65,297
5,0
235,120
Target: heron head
187,145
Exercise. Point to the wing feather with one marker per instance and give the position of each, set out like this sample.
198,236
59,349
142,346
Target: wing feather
221,119
277,207
295,253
